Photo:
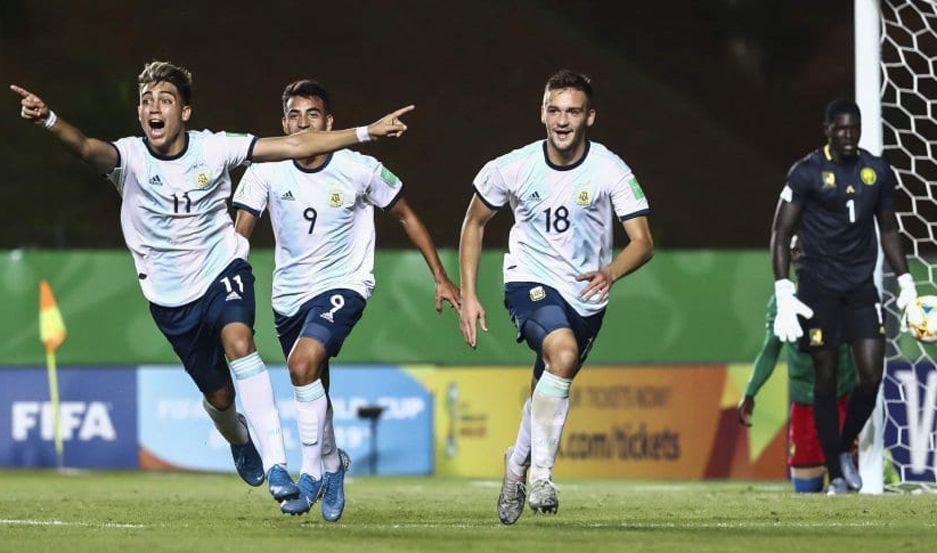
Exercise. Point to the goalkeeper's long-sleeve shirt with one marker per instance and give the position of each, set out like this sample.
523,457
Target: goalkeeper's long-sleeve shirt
799,365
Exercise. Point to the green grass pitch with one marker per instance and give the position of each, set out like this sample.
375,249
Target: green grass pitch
150,512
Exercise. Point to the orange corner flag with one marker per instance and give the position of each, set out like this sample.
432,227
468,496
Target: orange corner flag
51,326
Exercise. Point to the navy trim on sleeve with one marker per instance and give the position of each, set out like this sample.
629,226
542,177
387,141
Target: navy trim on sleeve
250,150
117,151
393,202
490,205
642,213
251,210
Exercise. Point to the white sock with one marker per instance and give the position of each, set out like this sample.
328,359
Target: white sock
311,406
228,423
549,406
330,459
260,408
520,458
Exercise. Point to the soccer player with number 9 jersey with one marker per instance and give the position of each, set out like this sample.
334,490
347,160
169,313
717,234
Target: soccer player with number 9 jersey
565,192
322,211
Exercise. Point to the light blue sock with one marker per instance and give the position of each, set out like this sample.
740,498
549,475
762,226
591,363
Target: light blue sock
553,386
247,366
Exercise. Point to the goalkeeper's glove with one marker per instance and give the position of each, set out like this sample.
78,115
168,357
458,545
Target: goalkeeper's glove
786,325
906,295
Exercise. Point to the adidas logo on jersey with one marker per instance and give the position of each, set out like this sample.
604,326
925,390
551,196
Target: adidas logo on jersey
288,196
328,316
535,197
232,296
155,181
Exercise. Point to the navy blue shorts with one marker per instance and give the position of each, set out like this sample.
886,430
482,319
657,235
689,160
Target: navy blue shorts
537,310
328,318
194,329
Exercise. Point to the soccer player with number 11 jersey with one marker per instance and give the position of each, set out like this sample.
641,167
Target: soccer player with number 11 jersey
564,192
174,186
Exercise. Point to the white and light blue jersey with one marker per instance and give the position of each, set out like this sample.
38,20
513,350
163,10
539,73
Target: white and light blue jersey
174,212
563,215
323,222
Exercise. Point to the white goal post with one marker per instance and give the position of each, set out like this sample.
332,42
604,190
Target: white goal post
896,89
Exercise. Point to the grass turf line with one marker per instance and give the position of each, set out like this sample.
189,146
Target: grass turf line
132,511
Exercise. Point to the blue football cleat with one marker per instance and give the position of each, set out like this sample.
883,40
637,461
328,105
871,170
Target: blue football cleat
281,484
247,461
310,490
333,490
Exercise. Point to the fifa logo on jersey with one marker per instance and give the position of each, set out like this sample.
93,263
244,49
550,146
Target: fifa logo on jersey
868,176
583,198
816,336
537,293
335,199
829,179
202,179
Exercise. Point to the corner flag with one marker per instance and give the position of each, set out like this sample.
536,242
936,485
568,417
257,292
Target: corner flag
52,333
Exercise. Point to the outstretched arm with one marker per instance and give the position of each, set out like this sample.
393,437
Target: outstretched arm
97,153
312,143
470,250
446,290
639,251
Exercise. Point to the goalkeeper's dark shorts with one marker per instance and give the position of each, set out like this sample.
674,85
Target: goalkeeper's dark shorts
538,310
839,317
194,329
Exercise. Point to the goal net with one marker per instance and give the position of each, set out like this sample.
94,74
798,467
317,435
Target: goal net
909,141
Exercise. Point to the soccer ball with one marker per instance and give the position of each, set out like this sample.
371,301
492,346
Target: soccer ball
921,319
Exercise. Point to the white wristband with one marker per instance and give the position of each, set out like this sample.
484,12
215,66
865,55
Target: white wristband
50,120
363,134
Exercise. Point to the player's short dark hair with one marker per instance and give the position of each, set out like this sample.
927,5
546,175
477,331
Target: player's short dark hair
564,78
307,88
841,106
163,71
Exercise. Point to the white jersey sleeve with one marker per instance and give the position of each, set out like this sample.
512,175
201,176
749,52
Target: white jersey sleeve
237,147
252,192
490,186
384,188
628,198
125,150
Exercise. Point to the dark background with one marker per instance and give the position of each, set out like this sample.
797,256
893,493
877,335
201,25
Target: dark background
708,101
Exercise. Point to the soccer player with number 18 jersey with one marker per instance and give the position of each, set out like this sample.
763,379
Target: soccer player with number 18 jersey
564,192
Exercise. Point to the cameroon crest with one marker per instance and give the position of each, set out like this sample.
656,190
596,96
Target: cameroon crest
868,176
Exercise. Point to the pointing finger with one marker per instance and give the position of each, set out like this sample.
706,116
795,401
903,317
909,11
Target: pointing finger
21,91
